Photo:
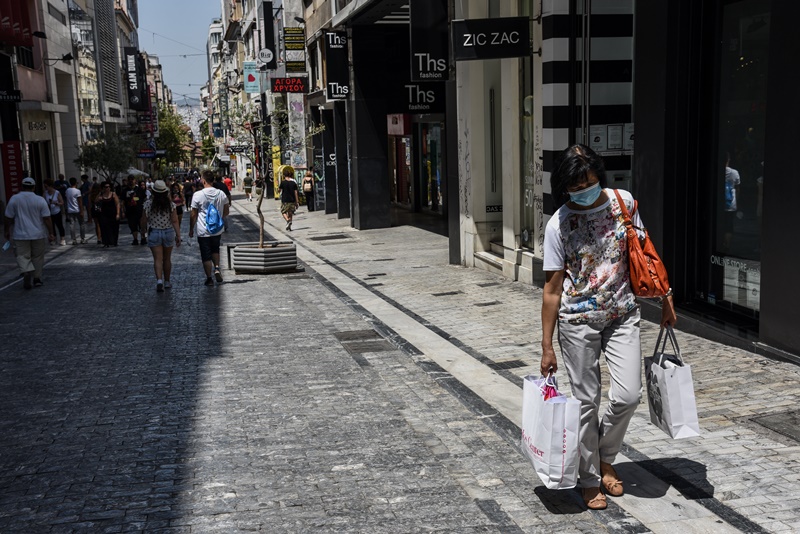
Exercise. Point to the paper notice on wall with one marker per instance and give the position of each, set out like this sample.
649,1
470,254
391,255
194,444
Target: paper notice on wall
742,283
627,136
615,137
598,137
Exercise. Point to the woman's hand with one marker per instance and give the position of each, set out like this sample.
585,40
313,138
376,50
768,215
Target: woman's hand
549,363
668,316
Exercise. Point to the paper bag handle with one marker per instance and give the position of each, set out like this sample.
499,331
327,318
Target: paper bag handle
663,344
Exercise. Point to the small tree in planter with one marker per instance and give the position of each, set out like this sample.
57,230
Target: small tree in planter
246,132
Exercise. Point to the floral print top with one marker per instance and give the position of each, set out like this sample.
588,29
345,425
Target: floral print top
590,246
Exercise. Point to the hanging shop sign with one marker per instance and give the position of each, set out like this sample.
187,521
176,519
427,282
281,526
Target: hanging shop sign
135,72
250,73
11,154
491,38
267,54
337,72
294,42
430,48
418,97
293,84
10,95
15,22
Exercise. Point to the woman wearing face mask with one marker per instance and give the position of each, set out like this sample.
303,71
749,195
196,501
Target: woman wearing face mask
587,295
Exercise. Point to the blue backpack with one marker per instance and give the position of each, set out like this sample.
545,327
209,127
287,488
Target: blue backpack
214,222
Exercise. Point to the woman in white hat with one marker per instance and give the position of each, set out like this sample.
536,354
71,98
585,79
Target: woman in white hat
160,221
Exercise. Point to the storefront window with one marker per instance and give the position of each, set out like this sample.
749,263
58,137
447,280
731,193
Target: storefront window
735,259
529,203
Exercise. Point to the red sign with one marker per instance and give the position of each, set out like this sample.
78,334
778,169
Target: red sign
15,22
295,84
11,152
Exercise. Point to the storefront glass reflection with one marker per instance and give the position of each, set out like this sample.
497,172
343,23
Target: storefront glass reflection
735,259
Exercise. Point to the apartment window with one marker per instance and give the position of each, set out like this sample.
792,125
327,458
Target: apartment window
56,14
25,57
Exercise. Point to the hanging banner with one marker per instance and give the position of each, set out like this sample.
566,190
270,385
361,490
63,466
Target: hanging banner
250,71
491,38
430,48
15,22
267,53
11,153
137,96
337,71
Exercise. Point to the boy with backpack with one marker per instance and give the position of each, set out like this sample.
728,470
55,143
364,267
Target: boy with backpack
209,209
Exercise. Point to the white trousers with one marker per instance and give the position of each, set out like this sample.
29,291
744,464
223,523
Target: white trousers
581,345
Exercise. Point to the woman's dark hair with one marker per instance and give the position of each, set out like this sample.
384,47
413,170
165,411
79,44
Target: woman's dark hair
571,167
161,203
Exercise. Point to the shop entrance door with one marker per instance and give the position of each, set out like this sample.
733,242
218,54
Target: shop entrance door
430,171
400,170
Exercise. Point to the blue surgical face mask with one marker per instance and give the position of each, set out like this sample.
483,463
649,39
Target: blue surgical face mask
586,197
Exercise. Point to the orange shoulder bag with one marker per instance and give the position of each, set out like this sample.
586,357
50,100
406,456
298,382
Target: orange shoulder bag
647,272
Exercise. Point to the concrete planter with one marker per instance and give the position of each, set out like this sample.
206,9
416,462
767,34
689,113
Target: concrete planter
276,256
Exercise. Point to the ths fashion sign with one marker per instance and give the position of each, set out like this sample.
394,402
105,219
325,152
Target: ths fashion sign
336,68
430,49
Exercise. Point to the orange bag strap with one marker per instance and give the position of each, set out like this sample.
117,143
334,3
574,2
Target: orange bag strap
624,208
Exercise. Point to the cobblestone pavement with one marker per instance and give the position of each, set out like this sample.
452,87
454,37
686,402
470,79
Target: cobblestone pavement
298,403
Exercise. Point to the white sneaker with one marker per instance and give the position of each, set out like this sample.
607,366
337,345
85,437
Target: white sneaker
63,242
167,284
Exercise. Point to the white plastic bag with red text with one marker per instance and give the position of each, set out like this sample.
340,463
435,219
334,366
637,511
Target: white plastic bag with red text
550,433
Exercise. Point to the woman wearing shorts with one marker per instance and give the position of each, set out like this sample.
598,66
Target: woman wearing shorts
160,220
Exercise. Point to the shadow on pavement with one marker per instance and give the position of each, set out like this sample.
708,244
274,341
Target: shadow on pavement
100,379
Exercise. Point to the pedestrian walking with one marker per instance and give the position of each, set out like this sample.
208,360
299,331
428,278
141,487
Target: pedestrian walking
290,197
177,198
160,220
207,241
134,196
587,295
228,183
61,186
28,223
94,209
188,192
110,210
74,202
248,185
85,189
308,190
56,202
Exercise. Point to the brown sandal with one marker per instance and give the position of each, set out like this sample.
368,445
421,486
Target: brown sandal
611,482
594,498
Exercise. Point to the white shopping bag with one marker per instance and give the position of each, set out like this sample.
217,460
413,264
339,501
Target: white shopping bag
670,391
550,433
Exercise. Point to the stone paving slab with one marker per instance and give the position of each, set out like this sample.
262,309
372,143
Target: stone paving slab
236,408
731,462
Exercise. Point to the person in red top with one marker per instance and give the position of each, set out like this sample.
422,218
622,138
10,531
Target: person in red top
228,183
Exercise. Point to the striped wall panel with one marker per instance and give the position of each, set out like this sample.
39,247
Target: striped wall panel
610,74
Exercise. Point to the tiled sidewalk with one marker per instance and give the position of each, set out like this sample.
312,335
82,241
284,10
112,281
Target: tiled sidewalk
737,467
